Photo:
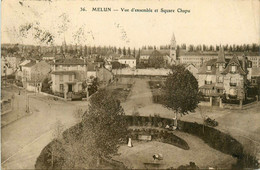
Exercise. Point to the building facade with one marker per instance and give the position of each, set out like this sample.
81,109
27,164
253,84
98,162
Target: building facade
224,77
128,60
68,76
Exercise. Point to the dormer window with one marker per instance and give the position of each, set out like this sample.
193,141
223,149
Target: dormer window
208,68
233,69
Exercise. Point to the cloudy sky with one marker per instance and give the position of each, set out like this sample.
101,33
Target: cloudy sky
208,22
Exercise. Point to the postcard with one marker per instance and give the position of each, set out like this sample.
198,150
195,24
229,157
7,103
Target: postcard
125,84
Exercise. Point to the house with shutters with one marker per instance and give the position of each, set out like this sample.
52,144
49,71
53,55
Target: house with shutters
70,75
224,77
67,76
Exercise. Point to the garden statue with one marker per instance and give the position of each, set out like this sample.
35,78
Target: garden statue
130,143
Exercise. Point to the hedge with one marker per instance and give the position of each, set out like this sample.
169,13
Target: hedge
213,137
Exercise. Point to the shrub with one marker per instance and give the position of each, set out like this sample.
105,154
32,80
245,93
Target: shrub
155,121
214,138
144,121
150,121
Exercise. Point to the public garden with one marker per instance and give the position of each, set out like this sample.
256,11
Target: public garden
194,143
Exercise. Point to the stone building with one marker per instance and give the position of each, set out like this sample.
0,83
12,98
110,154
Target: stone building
224,77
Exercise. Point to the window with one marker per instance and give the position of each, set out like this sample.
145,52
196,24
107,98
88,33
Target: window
220,91
233,69
70,77
208,80
208,68
220,79
61,78
233,82
61,87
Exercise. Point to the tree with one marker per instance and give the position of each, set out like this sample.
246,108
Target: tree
191,48
119,51
56,150
45,85
105,123
128,51
93,87
134,53
138,56
85,51
182,94
124,51
93,50
183,46
156,60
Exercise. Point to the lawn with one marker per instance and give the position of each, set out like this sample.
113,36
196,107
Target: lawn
121,88
158,89
199,152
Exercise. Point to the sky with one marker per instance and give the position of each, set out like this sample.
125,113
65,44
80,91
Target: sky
208,22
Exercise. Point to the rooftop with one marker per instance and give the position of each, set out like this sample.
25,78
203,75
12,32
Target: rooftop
30,64
69,61
127,58
149,52
63,72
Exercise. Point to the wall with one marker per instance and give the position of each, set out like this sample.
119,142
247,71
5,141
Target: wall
147,72
56,81
239,87
203,78
131,63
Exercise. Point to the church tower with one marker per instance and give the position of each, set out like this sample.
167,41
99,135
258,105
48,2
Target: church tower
173,48
64,46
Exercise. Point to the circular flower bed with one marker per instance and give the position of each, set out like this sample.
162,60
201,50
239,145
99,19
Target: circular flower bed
159,135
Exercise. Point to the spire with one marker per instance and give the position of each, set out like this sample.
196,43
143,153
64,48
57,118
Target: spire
221,56
173,38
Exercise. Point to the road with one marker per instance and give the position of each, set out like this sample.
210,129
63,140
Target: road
23,140
140,99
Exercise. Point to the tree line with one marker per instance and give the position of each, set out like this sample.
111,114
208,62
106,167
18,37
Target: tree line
203,47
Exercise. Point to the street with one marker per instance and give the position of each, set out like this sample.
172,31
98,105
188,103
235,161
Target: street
23,140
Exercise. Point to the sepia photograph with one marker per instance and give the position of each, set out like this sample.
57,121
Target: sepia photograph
128,84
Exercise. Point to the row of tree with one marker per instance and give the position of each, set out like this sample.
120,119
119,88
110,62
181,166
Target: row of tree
196,48
89,50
